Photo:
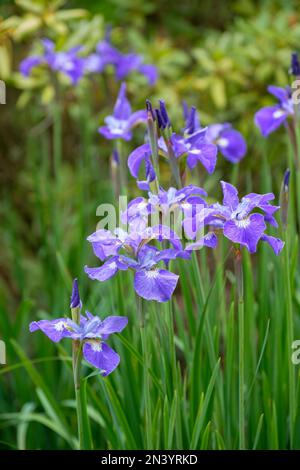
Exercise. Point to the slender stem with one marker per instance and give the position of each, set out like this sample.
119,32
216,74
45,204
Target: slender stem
174,164
290,336
57,138
84,432
147,396
76,354
241,327
171,333
294,136
122,167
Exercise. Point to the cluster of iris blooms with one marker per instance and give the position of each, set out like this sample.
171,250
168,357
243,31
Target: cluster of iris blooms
75,66
148,250
244,222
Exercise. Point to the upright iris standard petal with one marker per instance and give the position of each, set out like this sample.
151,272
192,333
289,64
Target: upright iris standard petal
247,231
157,284
122,109
120,123
230,195
101,356
54,329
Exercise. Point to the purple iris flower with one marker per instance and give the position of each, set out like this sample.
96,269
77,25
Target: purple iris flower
132,251
119,125
194,147
123,64
92,332
197,150
66,62
269,118
229,141
188,200
239,223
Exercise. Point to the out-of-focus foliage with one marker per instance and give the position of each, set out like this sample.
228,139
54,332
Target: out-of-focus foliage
220,71
33,18
217,58
54,172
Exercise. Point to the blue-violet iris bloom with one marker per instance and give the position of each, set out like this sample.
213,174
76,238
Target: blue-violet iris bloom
269,118
120,123
92,332
123,251
67,62
230,143
238,221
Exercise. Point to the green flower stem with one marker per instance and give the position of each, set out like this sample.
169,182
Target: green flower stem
57,138
147,396
290,336
241,327
294,136
122,167
152,132
84,432
174,164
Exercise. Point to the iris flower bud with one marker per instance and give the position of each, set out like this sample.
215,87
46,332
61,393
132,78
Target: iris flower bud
284,198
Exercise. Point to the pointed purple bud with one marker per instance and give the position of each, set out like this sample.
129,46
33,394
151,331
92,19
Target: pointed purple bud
284,199
295,64
159,118
75,297
115,157
164,114
150,112
286,179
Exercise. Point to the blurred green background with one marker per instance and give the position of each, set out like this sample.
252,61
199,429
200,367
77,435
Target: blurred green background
218,56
